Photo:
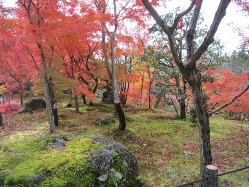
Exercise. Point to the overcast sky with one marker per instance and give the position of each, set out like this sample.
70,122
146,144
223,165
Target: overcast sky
226,33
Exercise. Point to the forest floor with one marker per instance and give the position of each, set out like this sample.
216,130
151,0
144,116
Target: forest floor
167,149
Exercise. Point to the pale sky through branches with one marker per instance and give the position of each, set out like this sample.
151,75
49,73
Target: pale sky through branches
226,32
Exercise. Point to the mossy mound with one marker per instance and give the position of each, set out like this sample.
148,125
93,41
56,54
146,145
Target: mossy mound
71,161
33,104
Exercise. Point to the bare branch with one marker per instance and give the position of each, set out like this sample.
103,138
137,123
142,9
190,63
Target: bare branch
191,30
183,13
220,13
28,9
120,11
226,104
157,17
33,59
170,33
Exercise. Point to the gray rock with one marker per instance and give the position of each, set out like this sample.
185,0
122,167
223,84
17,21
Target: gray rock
102,160
103,178
114,161
59,143
100,139
36,179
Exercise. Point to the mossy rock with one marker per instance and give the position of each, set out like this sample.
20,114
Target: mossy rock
106,120
72,161
33,104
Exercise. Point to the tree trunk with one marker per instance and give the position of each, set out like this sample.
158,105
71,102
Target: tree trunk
84,98
51,93
112,75
3,98
141,90
1,120
47,87
121,116
182,106
21,97
77,109
183,100
150,85
21,92
48,105
204,129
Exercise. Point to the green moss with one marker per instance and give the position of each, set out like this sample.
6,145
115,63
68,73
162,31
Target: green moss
67,167
218,127
118,164
27,145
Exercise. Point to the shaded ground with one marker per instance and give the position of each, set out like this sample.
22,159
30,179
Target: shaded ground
166,149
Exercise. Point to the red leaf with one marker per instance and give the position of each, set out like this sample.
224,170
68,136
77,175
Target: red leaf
180,23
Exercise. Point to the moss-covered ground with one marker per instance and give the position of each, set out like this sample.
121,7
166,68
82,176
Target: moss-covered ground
167,150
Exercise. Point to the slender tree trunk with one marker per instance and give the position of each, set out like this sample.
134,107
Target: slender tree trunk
112,75
27,5
204,129
48,98
21,92
77,109
141,90
117,103
150,84
182,106
21,97
183,101
49,105
181,96
3,98
51,93
121,116
1,120
84,98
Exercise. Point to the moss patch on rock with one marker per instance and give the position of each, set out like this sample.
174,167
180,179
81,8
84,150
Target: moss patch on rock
72,161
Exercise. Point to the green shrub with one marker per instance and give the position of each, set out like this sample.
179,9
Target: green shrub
225,115
66,105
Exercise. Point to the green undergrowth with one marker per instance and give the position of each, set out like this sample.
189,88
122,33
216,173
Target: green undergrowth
166,149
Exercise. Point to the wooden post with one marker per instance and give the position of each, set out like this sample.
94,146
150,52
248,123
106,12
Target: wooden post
212,176
55,115
1,119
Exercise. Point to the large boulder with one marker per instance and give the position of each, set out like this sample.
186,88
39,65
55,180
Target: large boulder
116,164
76,161
33,104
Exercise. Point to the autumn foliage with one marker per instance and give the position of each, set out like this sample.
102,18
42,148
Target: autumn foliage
69,33
224,87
